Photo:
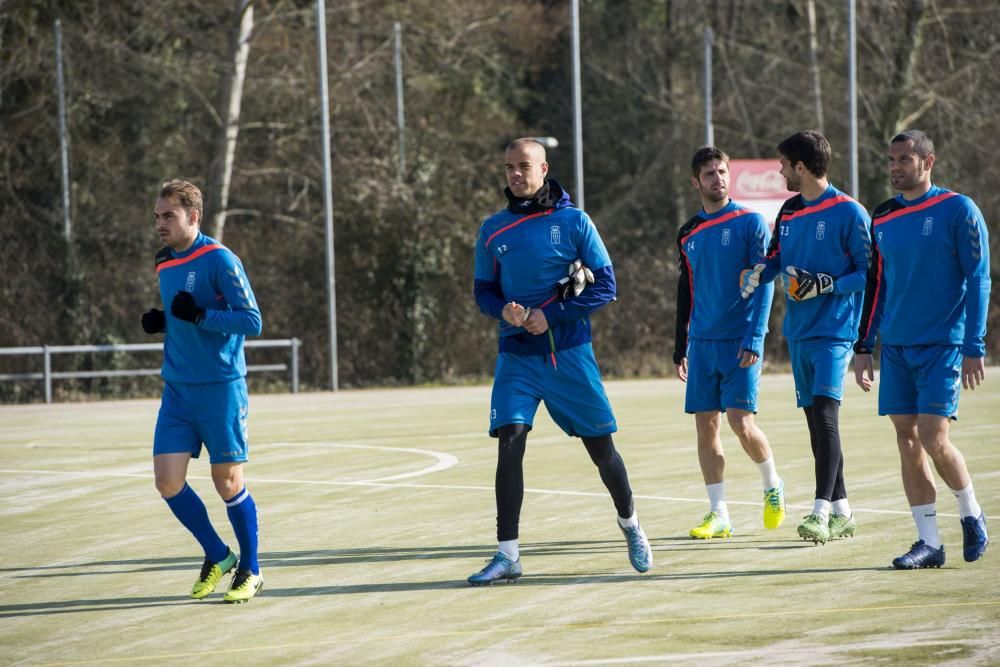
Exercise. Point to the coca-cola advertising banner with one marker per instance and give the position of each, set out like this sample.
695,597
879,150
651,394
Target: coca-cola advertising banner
759,185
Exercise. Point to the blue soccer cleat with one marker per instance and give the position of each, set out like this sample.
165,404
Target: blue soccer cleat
639,552
974,537
499,568
919,556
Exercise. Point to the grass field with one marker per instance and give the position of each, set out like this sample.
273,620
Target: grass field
375,506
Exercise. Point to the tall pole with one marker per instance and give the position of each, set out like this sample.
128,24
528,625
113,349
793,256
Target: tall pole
324,105
709,129
853,94
577,104
400,116
63,134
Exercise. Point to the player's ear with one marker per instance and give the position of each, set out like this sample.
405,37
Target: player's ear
545,168
195,216
929,162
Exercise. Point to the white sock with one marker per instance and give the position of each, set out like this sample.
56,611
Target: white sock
717,498
821,507
967,505
925,516
631,522
841,507
509,549
768,473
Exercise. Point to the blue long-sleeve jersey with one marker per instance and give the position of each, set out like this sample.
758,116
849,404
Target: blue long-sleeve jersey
521,254
827,235
713,248
929,283
212,349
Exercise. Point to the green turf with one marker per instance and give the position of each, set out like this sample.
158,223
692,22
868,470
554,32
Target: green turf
364,556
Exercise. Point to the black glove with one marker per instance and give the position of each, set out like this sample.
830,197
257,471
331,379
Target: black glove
154,321
184,308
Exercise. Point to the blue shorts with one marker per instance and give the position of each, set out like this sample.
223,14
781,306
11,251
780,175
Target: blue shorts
572,390
818,366
716,381
214,414
920,379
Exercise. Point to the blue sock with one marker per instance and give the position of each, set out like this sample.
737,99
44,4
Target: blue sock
243,515
191,512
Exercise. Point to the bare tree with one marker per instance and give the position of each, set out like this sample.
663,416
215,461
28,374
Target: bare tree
230,99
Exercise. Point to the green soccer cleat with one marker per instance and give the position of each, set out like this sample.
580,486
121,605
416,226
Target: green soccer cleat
842,526
244,586
815,528
712,525
210,575
774,506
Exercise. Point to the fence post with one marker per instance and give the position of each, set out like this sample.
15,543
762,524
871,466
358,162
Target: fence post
47,371
295,365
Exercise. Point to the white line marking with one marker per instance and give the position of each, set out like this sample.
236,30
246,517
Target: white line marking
444,461
451,487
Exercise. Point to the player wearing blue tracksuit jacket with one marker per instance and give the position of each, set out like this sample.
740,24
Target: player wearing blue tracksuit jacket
928,293
211,310
719,338
820,250
522,253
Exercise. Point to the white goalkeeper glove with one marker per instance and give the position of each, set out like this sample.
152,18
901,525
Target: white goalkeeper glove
802,285
750,280
577,278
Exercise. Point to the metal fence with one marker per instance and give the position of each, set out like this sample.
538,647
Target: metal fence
47,375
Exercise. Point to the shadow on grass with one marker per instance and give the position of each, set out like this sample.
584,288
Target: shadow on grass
530,580
316,557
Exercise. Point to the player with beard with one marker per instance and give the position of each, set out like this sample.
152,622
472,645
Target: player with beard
928,293
719,339
820,250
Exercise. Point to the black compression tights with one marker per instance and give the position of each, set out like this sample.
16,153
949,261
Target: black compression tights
510,476
824,436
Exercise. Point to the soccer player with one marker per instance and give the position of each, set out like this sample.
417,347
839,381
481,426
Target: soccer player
522,261
821,250
928,292
714,352
211,309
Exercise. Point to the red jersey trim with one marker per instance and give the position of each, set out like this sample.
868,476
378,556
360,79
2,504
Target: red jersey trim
913,209
726,218
184,260
816,208
515,224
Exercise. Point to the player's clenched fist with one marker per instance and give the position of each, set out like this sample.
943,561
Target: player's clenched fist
515,314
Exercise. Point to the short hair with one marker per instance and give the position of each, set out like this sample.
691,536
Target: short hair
184,193
703,156
810,148
525,142
922,144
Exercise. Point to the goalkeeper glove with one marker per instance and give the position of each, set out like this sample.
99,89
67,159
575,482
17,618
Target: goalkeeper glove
802,285
154,321
750,280
185,308
577,278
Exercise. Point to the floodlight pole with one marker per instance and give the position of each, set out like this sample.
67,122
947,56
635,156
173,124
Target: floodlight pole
324,105
400,117
709,129
63,133
577,105
853,93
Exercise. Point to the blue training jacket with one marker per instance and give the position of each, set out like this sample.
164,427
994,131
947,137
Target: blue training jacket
713,248
523,251
827,235
212,349
929,283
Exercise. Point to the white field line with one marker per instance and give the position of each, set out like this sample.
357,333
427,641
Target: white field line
444,461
